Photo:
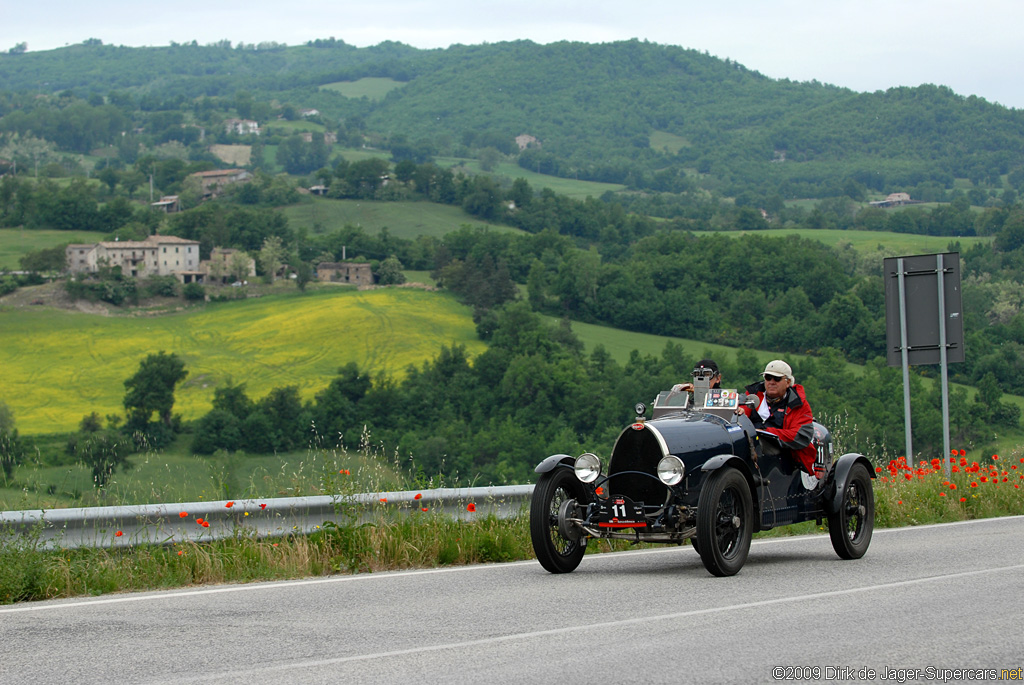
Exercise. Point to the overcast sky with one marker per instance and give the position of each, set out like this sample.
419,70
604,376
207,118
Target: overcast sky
972,47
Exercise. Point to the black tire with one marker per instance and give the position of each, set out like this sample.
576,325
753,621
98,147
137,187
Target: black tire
851,528
693,543
555,552
725,522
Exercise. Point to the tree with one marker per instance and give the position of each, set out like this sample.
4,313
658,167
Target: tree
46,259
151,389
390,272
12,452
272,255
103,451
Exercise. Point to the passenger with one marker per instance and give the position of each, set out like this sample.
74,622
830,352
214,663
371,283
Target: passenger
716,379
781,409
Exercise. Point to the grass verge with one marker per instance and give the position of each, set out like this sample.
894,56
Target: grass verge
904,495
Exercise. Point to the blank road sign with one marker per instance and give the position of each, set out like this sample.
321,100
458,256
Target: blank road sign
922,305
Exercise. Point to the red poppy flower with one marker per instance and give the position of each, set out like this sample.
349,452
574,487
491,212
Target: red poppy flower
900,502
183,514
953,452
470,507
878,469
206,524
229,505
908,476
984,479
952,486
199,521
963,499
424,509
963,453
973,484
263,505
995,457
384,499
118,534
345,472
419,495
942,494
963,462
180,552
936,463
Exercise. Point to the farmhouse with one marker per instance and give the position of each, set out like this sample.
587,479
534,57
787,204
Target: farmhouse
210,182
356,273
157,255
242,126
895,200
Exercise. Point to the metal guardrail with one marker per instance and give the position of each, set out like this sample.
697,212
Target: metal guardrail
125,526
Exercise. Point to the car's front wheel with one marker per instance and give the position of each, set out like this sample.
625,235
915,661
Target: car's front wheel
555,551
724,522
851,526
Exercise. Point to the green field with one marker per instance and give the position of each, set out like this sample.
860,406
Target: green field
662,140
371,88
17,242
867,242
58,366
402,219
569,187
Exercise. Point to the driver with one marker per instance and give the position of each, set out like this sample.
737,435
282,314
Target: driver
781,409
716,378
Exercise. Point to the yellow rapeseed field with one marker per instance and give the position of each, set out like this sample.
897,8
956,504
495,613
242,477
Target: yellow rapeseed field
56,366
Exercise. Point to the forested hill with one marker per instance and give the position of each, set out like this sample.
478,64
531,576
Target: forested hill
651,116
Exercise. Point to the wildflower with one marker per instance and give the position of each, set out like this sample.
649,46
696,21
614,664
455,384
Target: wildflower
878,469
942,494
199,521
974,484
900,502
963,499
963,462
963,453
246,513
384,500
470,507
419,495
275,544
229,505
908,476
183,514
952,486
118,534
206,524
180,552
953,452
995,457
263,505
345,472
424,509
984,479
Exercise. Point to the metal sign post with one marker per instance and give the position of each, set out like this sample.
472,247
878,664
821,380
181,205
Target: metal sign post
923,324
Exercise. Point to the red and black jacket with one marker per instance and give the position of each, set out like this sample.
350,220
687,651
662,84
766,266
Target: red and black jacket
790,419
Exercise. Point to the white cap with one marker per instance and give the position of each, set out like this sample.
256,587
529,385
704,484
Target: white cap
777,367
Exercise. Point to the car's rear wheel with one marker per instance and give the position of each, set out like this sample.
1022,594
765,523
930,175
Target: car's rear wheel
724,522
850,528
555,551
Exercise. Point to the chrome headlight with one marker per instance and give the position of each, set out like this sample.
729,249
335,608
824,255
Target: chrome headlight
587,467
671,470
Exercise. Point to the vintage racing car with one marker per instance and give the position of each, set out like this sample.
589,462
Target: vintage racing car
701,472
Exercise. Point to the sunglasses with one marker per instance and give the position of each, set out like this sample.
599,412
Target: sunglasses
769,377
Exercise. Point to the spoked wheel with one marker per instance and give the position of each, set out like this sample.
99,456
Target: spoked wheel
724,522
556,549
850,528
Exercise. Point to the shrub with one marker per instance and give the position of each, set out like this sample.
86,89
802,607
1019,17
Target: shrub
194,291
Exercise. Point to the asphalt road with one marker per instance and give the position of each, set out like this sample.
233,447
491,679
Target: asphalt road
932,597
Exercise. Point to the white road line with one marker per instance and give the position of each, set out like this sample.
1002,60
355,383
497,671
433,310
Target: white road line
260,586
317,663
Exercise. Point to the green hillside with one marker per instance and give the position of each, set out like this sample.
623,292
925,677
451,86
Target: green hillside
59,366
16,243
402,219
